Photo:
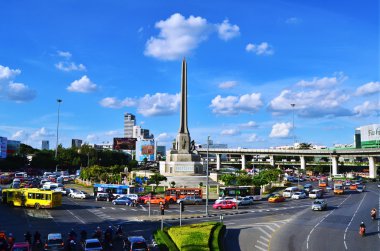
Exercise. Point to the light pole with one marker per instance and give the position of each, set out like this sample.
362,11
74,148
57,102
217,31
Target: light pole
294,135
56,148
207,189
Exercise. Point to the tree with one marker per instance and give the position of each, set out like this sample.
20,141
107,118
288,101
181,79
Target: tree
228,179
172,184
244,180
156,179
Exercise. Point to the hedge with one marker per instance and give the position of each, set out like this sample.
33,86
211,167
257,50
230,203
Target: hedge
217,237
164,242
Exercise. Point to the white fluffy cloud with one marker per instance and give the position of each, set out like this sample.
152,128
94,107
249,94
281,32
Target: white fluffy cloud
230,132
367,108
64,54
253,138
20,93
324,82
280,130
83,85
249,124
149,105
70,66
179,36
19,135
41,133
164,137
227,31
260,49
367,89
227,85
7,73
232,105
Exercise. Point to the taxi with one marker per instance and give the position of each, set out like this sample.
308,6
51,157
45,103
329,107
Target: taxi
276,198
353,187
155,200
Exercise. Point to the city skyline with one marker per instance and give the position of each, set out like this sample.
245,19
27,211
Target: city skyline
248,63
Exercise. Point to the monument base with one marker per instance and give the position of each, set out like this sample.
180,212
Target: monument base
181,168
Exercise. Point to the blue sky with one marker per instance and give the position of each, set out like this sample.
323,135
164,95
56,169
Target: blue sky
247,62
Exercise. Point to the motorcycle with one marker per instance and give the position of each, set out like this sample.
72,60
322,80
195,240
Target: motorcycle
373,215
362,231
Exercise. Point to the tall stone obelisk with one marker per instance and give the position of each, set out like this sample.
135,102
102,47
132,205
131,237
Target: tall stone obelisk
181,160
183,136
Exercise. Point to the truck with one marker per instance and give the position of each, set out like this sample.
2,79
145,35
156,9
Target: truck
338,187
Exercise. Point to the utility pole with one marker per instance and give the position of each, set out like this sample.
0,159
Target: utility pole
207,181
56,147
294,135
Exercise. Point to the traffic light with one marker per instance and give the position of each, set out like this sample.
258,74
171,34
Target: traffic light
182,206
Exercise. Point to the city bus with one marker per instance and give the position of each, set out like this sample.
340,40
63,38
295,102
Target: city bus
116,189
323,182
31,197
173,194
241,191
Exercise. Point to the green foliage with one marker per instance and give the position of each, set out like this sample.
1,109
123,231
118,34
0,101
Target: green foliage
228,179
244,180
164,242
192,237
217,237
156,179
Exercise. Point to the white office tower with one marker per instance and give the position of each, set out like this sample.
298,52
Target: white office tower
129,123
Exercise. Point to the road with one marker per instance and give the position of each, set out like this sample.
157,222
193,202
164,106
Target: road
290,225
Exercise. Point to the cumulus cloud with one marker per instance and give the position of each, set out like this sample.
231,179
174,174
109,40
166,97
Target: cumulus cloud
113,133
249,124
232,105
20,92
367,108
64,54
227,85
227,31
293,20
149,105
324,82
164,137
19,135
41,134
7,73
280,130
313,103
179,36
230,132
70,66
83,85
253,138
260,49
367,89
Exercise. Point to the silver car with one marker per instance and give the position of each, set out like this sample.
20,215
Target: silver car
193,200
319,205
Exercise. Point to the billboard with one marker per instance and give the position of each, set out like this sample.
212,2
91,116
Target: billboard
145,149
124,143
370,132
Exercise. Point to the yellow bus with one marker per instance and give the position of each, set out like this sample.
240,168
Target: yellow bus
32,197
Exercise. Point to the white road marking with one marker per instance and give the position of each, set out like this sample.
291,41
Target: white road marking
76,217
262,249
345,231
264,232
265,239
263,243
312,230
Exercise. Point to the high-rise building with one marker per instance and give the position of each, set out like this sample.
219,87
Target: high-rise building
3,147
13,147
129,123
45,145
76,143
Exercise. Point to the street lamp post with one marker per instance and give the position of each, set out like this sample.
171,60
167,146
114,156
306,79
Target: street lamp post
207,188
56,148
294,135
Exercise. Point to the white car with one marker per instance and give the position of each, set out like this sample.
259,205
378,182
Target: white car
79,195
299,195
245,201
132,196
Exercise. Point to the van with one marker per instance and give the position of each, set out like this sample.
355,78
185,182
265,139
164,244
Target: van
316,194
288,192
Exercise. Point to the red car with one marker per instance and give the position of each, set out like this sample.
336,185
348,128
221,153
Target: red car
21,246
224,204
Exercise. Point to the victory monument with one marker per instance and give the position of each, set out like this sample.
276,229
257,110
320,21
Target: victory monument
181,160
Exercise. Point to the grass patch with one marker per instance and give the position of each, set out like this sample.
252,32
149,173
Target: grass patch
164,242
194,237
217,236
160,189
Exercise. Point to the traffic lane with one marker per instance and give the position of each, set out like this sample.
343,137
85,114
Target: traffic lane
295,235
372,239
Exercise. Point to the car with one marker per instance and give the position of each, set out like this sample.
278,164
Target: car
156,200
360,188
92,245
193,200
299,195
378,185
319,205
226,198
316,194
142,199
353,187
276,198
21,246
80,195
61,189
54,242
132,196
225,204
245,201
308,187
136,243
103,197
123,200
70,191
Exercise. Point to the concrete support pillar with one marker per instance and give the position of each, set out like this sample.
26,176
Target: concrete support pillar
242,162
334,161
271,158
372,167
303,162
217,161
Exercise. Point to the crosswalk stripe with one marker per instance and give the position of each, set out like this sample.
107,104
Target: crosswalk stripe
265,239
262,249
263,243
264,232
